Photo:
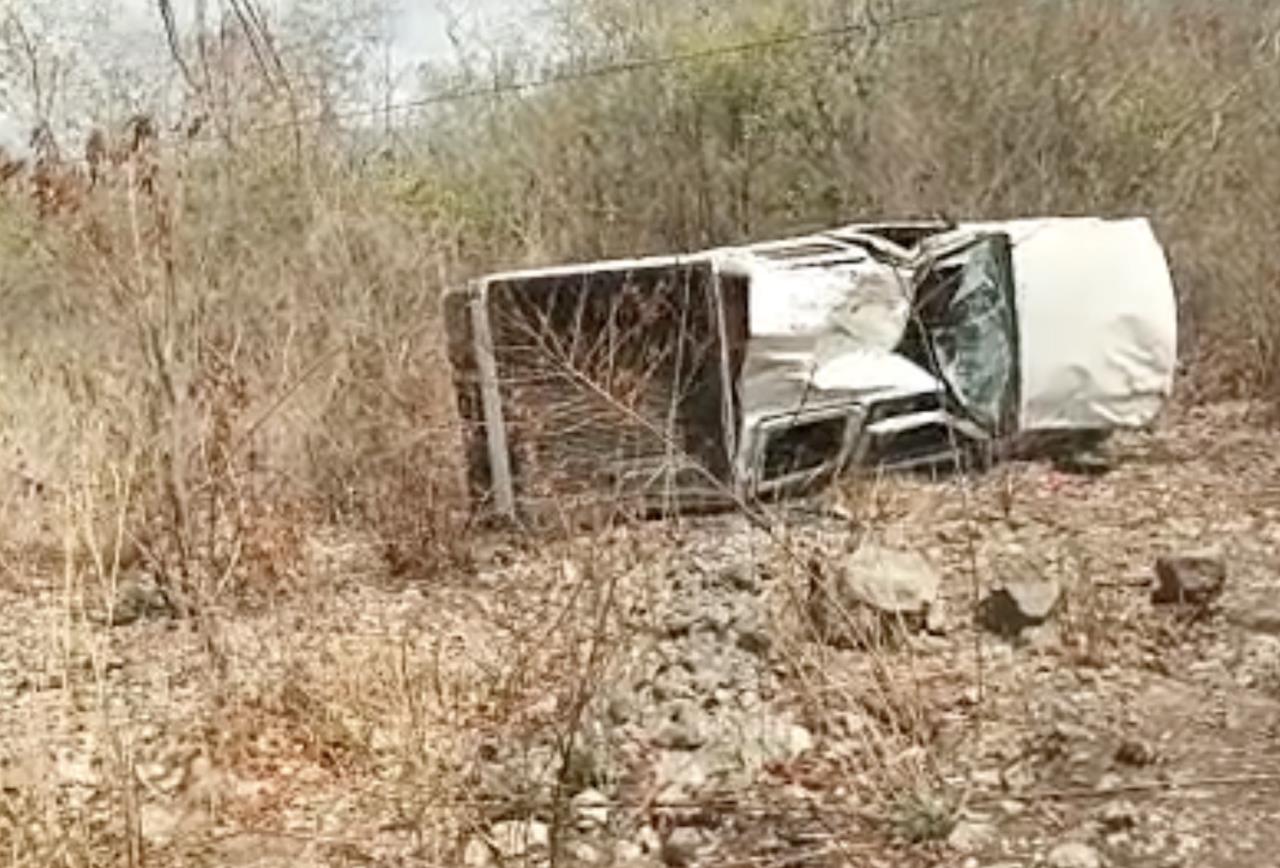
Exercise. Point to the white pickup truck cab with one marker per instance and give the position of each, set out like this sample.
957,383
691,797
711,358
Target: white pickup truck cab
738,373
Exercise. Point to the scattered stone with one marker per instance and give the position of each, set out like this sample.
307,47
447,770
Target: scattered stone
679,775
936,622
477,854
621,710
591,810
1093,460
1022,602
1187,846
684,728
894,581
1135,753
1045,638
970,836
584,853
627,853
682,846
1074,854
877,588
754,638
158,823
23,774
137,597
799,740
1109,782
76,769
1194,578
1118,817
693,713
648,840
516,839
742,576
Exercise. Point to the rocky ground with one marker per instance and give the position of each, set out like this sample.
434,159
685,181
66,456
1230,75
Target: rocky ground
986,672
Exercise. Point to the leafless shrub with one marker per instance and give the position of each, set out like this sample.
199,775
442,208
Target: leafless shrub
210,354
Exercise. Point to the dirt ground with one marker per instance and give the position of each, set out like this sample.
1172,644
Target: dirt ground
1151,734
351,723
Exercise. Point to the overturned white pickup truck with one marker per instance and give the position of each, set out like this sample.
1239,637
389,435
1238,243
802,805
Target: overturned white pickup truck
674,383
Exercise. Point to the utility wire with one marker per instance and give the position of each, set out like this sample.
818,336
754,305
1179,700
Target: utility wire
624,67
640,64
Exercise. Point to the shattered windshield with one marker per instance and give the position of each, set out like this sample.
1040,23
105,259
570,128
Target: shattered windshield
974,341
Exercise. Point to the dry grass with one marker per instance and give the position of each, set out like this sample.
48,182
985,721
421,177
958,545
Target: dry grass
210,360
1009,110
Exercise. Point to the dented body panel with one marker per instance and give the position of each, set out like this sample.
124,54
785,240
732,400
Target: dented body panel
747,371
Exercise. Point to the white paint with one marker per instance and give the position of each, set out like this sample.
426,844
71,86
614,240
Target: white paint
1098,322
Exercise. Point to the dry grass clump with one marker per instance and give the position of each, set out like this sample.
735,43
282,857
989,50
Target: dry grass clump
210,358
252,336
240,347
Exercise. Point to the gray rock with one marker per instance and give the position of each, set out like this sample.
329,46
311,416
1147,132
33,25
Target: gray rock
627,852
648,840
1194,578
684,729
754,638
693,703
773,740
936,622
1043,637
1118,817
679,776
1136,753
516,839
877,588
77,769
799,740
894,581
970,837
1074,854
621,709
682,846
159,823
138,596
477,854
744,577
585,853
678,622
591,810
1022,602
1091,461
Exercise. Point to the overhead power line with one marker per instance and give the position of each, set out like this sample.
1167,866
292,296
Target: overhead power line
641,64
870,26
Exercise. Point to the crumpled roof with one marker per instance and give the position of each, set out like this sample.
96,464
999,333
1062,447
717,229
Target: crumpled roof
1094,305
1098,318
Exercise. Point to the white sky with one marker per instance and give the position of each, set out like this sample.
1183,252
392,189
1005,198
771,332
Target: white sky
132,30
417,26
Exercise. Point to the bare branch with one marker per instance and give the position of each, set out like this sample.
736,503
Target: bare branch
175,42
